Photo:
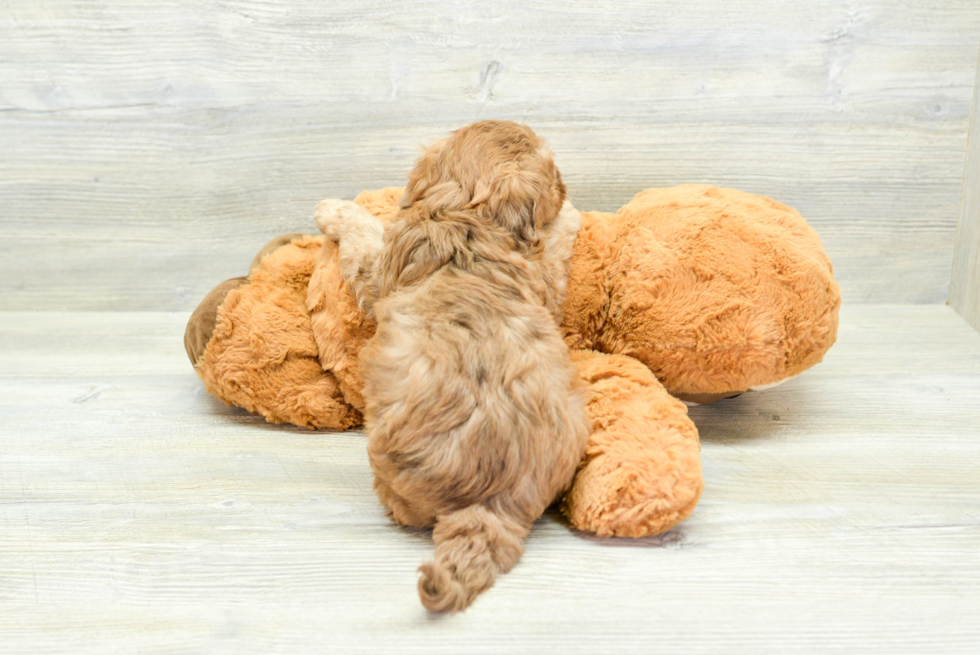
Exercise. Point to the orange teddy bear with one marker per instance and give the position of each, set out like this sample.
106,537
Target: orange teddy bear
691,293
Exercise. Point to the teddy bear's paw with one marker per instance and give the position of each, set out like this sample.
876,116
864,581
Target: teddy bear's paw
616,496
359,233
334,216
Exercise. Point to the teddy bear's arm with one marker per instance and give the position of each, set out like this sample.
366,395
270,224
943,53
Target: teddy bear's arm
642,471
359,235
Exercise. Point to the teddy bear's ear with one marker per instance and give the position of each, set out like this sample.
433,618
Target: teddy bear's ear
200,327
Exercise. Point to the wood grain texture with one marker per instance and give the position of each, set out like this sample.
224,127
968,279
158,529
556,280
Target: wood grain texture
964,292
138,515
149,149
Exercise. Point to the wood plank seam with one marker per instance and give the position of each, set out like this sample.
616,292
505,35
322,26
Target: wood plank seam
964,290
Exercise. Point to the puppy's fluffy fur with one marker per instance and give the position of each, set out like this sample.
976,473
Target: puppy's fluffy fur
473,420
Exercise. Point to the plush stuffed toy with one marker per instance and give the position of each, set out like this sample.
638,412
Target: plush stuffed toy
691,293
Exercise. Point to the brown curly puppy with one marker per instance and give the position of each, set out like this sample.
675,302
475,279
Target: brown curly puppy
474,423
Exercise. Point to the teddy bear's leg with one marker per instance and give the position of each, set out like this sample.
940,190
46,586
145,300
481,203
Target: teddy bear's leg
642,471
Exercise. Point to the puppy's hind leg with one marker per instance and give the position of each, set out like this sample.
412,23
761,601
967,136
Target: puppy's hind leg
401,511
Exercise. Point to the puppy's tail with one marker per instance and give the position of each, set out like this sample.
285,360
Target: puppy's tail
473,545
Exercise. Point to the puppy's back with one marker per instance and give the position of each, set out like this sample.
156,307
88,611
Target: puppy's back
474,424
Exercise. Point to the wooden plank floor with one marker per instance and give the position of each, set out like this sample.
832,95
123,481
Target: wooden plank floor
139,515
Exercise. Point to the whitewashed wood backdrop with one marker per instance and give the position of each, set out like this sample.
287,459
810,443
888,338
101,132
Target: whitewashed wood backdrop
148,149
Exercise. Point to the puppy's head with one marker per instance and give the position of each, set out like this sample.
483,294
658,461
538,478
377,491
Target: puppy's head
499,170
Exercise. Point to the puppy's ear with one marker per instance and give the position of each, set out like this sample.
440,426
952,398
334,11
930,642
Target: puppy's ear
525,195
426,174
482,191
551,200
560,186
511,198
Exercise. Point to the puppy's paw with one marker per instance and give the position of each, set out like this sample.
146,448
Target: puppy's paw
334,216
